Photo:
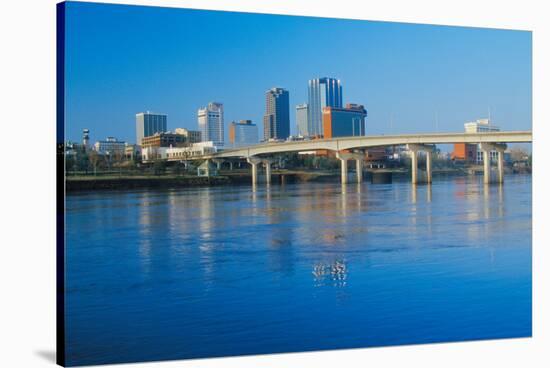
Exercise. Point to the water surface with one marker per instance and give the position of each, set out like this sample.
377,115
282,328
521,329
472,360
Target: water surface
234,270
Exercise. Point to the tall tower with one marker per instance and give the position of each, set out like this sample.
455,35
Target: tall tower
210,120
322,92
301,120
85,138
276,117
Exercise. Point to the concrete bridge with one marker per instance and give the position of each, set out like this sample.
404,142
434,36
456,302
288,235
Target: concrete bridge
352,148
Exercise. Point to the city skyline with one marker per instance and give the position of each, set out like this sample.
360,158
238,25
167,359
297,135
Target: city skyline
397,75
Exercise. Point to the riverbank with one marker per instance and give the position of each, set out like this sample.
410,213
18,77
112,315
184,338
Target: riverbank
236,177
124,182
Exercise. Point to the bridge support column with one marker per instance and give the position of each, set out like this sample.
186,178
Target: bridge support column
344,170
231,165
218,163
414,163
414,149
486,167
254,162
344,157
359,169
486,148
429,167
500,166
267,165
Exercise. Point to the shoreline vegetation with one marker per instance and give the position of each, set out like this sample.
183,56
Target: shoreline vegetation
125,181
89,171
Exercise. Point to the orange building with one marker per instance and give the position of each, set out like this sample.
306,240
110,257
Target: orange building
465,152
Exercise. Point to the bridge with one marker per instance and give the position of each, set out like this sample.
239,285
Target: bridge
352,148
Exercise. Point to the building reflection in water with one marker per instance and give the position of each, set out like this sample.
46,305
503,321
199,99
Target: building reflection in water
281,232
334,273
145,232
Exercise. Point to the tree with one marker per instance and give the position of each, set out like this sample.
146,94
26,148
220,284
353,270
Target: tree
94,159
518,154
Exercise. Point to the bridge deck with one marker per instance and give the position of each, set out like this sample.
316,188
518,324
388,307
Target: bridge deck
345,143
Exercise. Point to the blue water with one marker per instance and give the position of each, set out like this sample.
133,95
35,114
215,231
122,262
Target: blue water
203,272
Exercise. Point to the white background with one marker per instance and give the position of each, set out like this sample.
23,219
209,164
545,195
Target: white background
27,179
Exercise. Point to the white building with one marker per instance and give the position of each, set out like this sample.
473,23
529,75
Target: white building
178,153
210,121
482,126
243,133
110,146
301,120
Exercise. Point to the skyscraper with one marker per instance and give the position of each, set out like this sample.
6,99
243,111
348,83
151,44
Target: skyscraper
243,133
148,123
322,92
211,123
301,120
276,118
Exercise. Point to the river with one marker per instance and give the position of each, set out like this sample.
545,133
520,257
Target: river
232,270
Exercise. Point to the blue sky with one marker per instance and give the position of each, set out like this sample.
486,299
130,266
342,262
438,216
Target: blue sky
121,60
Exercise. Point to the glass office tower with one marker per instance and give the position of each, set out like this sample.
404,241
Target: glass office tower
148,123
322,92
276,118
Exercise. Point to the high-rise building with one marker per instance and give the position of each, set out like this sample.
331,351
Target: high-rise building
85,138
276,118
322,92
301,120
210,120
344,122
243,133
148,123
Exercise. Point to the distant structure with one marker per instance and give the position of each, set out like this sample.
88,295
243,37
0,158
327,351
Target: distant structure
164,139
301,120
276,117
243,133
472,152
85,138
322,92
344,122
132,152
480,126
148,123
193,136
210,119
110,146
178,153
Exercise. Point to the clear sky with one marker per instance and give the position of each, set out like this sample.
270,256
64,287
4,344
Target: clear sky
122,60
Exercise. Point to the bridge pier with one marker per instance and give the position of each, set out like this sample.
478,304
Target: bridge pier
254,162
344,157
218,163
500,166
267,164
359,170
414,149
486,148
414,166
429,167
